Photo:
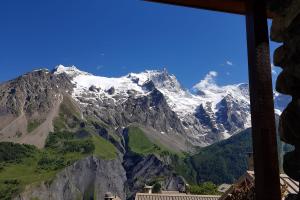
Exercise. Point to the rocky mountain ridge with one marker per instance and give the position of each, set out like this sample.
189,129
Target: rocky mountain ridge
153,99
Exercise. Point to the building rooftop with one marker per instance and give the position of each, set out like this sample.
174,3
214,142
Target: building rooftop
174,196
245,184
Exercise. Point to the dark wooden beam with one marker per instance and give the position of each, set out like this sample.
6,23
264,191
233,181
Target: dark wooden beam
266,167
232,6
229,6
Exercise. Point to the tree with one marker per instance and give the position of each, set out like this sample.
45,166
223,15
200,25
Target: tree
156,188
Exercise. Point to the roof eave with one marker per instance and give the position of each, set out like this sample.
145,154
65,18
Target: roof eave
228,6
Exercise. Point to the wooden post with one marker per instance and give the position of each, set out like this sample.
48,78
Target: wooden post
266,168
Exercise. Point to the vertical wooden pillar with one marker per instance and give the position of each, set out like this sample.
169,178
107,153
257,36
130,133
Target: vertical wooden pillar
266,168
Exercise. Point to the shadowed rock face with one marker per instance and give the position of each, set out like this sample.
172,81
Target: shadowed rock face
231,115
286,29
141,170
151,110
203,115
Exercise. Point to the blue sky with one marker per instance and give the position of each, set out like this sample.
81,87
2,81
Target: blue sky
115,37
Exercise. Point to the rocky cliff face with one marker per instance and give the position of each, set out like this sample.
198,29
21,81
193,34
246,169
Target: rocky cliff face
91,178
33,93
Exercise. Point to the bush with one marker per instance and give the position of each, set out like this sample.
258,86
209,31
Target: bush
48,162
206,188
12,152
54,139
82,146
68,142
8,188
156,188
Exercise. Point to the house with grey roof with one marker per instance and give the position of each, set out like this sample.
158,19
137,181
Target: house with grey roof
174,196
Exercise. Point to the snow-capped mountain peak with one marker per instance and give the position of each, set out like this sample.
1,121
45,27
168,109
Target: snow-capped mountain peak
161,79
71,70
208,89
205,110
218,101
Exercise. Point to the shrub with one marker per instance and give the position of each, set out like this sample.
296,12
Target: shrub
55,139
12,152
82,146
206,188
8,188
48,162
156,188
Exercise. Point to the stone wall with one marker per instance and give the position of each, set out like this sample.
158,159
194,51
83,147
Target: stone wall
286,30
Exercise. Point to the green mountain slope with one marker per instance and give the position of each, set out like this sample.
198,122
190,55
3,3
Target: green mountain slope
226,161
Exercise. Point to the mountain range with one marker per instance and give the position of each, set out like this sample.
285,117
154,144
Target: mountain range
139,127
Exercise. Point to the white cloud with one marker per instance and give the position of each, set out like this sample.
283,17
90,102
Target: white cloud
208,81
229,63
212,74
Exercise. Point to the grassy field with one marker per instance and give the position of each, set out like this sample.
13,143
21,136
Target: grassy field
103,148
141,144
26,172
